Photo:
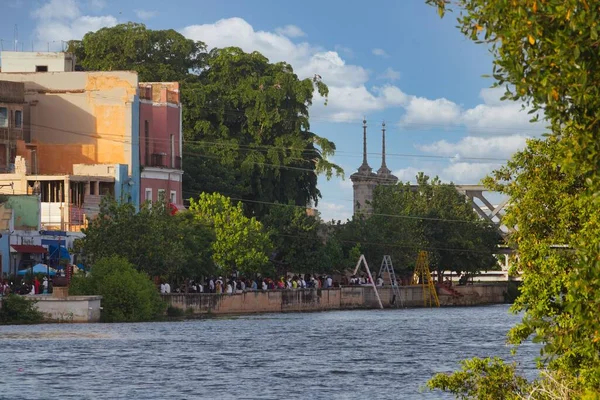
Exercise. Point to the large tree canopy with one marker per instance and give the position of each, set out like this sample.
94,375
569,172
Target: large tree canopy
247,127
156,55
546,52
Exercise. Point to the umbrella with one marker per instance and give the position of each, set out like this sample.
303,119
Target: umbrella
38,269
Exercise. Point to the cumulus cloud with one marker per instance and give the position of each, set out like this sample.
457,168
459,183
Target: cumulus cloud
349,97
334,211
62,20
493,117
425,112
501,147
390,74
456,172
380,53
145,14
291,31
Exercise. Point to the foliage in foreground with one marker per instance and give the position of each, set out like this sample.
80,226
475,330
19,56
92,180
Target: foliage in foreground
19,310
546,53
127,295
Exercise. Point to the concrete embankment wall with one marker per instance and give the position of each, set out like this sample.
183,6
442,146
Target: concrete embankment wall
329,299
68,309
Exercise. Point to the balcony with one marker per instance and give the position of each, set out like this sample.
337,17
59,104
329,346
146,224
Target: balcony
161,160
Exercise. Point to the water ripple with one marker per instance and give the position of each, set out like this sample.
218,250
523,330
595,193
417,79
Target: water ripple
332,355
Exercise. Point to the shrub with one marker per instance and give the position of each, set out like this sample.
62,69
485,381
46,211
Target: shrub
19,310
127,295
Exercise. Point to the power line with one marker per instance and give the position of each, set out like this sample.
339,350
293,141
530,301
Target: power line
242,147
411,217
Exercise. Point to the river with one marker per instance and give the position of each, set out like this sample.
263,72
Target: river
329,355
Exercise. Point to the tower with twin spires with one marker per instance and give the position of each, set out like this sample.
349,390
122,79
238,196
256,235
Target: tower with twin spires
365,180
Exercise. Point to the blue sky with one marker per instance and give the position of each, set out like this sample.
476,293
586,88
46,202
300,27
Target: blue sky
385,59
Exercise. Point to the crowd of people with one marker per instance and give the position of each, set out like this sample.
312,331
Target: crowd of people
234,285
35,286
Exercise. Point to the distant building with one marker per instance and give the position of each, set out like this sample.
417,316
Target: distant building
34,61
161,144
80,141
365,180
73,137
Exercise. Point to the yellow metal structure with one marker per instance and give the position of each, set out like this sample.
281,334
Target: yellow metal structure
422,276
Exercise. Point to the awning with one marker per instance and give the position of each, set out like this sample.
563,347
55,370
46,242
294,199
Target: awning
28,248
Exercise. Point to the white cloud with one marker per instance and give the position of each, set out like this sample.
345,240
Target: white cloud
145,14
455,172
408,174
57,9
390,74
291,31
421,111
61,20
334,211
472,146
467,173
493,117
344,50
349,97
380,53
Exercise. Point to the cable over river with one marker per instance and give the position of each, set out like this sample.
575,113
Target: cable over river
330,355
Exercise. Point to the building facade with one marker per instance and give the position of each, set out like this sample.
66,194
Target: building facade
364,181
161,143
34,61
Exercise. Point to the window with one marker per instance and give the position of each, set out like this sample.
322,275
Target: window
3,117
173,197
161,195
18,119
41,68
172,151
148,195
146,143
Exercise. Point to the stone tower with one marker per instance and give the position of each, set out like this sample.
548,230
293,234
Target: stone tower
365,180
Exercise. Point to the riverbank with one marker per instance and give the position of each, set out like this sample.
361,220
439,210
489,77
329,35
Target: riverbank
346,298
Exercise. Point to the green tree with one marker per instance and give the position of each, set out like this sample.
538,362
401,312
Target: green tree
546,53
246,123
156,55
435,218
152,239
296,239
241,244
127,295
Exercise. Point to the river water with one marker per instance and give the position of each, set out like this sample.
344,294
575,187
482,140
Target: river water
330,355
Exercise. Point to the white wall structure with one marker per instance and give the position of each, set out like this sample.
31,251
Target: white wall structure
33,61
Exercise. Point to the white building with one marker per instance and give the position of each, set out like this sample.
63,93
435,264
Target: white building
31,61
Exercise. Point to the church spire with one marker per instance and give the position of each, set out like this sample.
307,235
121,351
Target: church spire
383,165
365,163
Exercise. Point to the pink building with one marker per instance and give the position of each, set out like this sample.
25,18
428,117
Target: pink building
160,142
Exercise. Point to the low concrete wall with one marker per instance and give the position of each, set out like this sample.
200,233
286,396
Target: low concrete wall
328,299
69,309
